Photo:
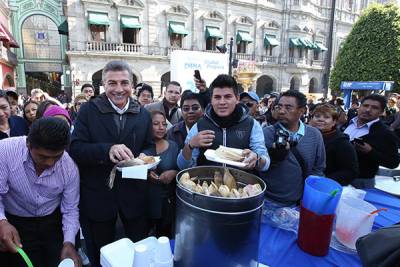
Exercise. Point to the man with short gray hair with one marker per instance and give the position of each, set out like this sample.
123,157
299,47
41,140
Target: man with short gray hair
109,129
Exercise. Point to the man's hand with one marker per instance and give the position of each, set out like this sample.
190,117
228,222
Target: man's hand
154,177
200,84
202,139
119,153
363,148
167,176
68,251
250,159
9,237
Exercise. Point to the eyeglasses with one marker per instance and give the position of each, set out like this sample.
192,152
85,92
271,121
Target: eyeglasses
288,108
249,104
188,108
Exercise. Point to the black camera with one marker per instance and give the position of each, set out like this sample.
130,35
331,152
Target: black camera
281,138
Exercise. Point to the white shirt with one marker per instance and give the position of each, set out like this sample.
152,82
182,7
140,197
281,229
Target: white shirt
117,109
354,131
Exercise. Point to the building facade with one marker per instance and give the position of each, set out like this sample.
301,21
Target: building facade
8,59
286,39
42,61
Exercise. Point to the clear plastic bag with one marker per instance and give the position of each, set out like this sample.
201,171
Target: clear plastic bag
280,216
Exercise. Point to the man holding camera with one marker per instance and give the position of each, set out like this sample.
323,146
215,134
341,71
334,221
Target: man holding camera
296,151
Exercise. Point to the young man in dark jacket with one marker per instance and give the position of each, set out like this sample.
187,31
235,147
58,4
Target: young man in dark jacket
109,129
225,122
374,142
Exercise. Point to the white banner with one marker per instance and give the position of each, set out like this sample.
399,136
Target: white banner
210,65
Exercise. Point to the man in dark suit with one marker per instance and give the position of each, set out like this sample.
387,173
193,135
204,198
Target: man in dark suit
110,128
374,142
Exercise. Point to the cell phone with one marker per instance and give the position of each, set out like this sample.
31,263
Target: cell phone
197,75
358,141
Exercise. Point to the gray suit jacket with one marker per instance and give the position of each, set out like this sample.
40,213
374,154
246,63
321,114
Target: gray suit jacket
159,106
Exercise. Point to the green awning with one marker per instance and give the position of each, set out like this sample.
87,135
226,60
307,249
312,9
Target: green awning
177,28
295,42
306,43
213,32
243,36
128,22
320,47
96,18
63,28
270,40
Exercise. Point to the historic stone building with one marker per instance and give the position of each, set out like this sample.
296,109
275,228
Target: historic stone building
286,39
42,61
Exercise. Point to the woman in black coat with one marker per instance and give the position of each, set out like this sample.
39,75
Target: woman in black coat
341,157
10,126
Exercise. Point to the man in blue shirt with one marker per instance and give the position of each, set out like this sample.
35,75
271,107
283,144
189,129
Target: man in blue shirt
225,122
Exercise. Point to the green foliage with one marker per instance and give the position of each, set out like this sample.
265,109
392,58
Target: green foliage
371,52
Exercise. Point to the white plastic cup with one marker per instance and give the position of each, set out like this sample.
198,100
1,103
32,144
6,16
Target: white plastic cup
163,253
353,220
142,257
67,263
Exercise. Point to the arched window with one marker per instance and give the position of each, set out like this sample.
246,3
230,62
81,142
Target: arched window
41,38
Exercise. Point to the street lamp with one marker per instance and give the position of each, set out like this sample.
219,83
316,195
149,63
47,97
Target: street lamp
328,61
223,49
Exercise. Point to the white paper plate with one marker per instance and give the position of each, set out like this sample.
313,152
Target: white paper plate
211,156
387,184
149,166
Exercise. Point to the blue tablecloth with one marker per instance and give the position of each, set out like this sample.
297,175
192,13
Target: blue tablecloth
279,247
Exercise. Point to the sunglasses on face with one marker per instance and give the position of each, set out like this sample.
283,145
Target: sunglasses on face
249,104
188,108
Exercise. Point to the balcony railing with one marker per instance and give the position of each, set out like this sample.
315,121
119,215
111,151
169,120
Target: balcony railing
269,59
244,56
112,47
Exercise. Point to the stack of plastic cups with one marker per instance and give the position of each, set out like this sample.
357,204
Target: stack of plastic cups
164,257
320,199
142,256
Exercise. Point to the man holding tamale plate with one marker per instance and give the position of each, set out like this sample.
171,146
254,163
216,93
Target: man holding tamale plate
225,123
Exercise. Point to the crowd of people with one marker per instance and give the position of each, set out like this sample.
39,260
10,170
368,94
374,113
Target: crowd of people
57,158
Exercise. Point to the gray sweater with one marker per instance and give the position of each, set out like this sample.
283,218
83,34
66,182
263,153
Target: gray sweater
284,180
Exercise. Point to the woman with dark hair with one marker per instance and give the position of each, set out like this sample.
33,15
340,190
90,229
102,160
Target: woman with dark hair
341,157
162,179
10,126
29,111
43,107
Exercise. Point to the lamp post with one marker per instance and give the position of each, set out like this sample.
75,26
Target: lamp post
328,61
223,50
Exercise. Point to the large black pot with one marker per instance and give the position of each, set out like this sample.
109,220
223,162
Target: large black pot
213,231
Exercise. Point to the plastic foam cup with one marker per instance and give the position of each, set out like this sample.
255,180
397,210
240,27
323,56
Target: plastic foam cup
67,263
163,253
142,256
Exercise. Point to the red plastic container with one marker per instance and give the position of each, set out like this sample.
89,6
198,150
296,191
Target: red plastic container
315,232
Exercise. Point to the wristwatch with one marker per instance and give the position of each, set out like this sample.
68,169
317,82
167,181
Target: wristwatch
190,146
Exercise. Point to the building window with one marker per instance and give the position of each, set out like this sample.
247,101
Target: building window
130,2
316,55
349,4
130,36
98,33
176,40
244,20
300,52
296,2
242,47
291,52
211,43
